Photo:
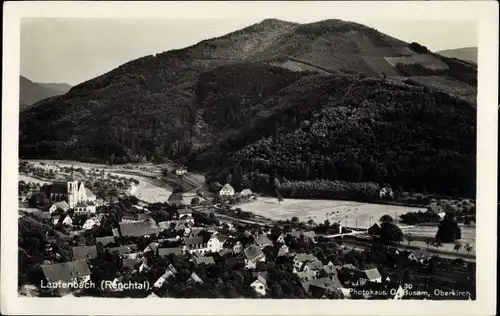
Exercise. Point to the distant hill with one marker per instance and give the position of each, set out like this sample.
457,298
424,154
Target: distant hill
31,92
465,53
216,104
61,88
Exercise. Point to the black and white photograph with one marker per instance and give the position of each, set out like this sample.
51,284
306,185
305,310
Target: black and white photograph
285,152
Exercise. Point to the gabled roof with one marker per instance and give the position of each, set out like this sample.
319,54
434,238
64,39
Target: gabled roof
89,193
105,240
262,280
193,241
306,274
252,252
196,278
57,188
263,240
121,249
313,265
304,257
164,225
227,187
65,271
246,192
84,252
166,251
323,283
138,229
63,205
372,274
422,254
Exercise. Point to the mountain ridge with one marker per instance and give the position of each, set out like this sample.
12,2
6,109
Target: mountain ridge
31,92
203,104
468,54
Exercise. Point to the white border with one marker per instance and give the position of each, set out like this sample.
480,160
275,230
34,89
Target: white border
485,12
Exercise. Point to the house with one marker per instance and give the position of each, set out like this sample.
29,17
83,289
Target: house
72,192
90,223
435,209
317,287
105,240
163,252
139,229
63,206
204,260
374,230
386,192
306,275
309,235
169,272
238,247
84,252
312,266
263,241
301,259
121,250
55,219
259,285
85,207
195,278
419,255
180,171
227,190
254,254
246,193
281,239
65,272
373,275
216,243
283,251
196,243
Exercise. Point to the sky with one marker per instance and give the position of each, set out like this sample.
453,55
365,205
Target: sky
73,50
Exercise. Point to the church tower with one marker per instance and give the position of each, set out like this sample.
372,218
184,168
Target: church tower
72,190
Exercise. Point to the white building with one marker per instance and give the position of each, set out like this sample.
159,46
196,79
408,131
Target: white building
72,192
260,286
246,193
91,222
227,190
386,192
216,243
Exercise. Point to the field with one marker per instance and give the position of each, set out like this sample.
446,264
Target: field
427,61
350,214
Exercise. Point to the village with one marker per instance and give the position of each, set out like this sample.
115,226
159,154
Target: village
209,247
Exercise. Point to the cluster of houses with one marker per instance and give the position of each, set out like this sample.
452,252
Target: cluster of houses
316,277
228,191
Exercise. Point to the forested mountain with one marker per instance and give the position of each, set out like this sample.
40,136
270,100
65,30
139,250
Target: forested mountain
31,92
295,91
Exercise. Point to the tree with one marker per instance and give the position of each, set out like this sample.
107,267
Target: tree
195,201
448,230
457,246
386,219
310,222
295,220
390,233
